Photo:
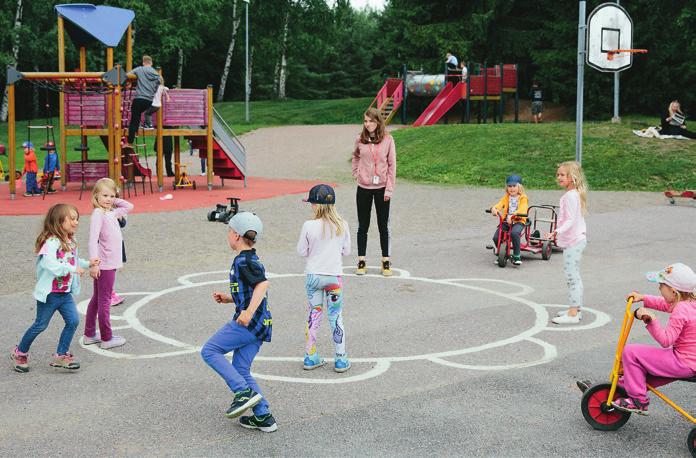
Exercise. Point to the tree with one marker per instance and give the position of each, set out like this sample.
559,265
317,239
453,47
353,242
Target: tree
15,54
236,19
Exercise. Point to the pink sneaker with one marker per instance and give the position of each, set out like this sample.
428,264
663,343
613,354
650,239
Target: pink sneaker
631,405
66,361
91,340
116,299
20,361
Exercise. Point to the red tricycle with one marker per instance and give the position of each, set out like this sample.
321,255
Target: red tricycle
532,239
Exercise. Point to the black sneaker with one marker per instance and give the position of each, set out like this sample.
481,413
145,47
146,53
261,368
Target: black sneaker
265,423
243,400
386,268
51,191
361,268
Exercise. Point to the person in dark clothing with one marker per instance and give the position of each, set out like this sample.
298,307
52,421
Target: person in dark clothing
674,122
537,96
148,80
167,149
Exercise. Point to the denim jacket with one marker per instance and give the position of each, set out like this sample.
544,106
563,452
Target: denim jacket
49,266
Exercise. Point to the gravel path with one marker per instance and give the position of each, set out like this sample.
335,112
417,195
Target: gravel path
414,390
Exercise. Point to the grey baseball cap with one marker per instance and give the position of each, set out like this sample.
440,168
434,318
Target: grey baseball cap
243,222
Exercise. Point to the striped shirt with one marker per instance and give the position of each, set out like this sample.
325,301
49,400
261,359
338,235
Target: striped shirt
247,272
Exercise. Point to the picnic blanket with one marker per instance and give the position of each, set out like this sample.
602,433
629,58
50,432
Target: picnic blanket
654,132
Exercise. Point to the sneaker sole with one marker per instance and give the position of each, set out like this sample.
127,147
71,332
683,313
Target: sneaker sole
342,370
385,274
265,429
16,368
247,405
108,347
90,342
314,366
623,409
358,272
58,366
118,303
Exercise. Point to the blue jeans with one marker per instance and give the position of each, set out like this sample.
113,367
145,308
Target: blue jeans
64,303
32,186
233,337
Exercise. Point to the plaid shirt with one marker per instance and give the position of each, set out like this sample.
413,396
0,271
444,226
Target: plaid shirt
247,272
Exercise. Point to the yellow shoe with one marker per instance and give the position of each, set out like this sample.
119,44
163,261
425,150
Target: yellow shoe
386,269
361,270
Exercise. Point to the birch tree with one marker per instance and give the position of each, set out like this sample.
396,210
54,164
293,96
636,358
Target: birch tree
15,54
281,77
236,20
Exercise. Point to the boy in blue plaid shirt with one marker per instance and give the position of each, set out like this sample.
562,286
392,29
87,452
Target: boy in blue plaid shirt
251,325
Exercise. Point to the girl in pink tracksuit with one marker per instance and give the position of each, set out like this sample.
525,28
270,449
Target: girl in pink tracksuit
645,364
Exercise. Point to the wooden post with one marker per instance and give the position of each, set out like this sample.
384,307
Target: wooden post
129,48
114,134
83,59
177,158
11,146
61,107
160,151
210,138
115,155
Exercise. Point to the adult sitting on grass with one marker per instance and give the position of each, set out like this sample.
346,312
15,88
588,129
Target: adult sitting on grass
674,121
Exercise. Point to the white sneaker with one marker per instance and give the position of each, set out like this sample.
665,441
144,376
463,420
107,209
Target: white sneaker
565,312
91,340
567,319
116,341
203,174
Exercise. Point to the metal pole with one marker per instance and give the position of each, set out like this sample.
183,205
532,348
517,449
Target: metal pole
616,118
581,70
247,83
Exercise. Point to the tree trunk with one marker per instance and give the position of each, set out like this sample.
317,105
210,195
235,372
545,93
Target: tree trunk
35,97
15,55
230,52
180,71
282,74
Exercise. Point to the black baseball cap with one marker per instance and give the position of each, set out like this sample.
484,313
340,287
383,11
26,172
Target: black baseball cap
321,194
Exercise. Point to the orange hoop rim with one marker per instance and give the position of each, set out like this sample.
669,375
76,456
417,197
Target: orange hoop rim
610,54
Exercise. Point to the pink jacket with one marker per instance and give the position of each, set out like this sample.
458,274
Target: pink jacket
105,236
370,160
680,332
571,227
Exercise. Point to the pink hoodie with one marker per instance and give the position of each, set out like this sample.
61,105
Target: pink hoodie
680,332
370,160
571,227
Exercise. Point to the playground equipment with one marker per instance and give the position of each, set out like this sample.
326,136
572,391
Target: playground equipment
99,104
222,214
596,404
482,85
531,239
184,181
672,195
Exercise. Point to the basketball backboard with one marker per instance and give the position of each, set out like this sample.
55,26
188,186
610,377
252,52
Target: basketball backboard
609,28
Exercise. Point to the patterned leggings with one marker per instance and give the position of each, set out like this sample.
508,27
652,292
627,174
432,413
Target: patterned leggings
572,256
321,288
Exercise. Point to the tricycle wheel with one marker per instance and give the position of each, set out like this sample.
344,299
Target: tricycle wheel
596,412
502,255
211,215
546,250
691,442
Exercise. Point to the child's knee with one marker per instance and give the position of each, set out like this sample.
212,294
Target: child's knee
629,353
208,353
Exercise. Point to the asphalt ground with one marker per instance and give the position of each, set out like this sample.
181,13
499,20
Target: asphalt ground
451,356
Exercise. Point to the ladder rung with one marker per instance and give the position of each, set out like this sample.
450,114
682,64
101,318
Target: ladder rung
40,127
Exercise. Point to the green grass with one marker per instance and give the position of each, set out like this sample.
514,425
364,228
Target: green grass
483,155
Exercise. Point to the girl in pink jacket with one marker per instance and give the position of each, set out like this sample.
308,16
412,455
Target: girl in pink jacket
645,364
374,168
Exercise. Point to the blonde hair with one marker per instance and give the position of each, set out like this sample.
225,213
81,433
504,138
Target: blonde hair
330,217
147,59
53,227
574,170
678,110
380,132
520,188
99,186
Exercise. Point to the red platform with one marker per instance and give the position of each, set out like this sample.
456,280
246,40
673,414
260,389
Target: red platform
184,199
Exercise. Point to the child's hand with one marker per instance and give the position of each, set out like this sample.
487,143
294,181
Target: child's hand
244,318
494,211
636,297
80,271
94,272
94,262
221,298
643,314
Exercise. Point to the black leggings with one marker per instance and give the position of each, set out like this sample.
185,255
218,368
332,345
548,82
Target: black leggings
515,234
363,199
138,107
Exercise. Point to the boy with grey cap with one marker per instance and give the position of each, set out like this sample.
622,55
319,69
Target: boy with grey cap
249,328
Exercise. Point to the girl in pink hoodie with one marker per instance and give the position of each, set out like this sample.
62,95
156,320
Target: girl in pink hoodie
374,168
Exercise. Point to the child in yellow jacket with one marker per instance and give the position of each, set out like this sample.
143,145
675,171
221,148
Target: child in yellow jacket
513,203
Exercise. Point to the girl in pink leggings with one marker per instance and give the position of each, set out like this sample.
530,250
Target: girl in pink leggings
105,245
645,364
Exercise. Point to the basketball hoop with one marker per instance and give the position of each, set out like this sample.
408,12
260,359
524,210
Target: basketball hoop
610,54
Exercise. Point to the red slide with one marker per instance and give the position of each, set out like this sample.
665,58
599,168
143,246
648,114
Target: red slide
129,156
445,100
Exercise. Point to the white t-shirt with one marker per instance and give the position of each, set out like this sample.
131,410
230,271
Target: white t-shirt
157,100
465,73
322,248
451,60
514,203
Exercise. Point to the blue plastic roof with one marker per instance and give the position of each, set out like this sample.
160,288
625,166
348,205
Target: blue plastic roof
86,23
